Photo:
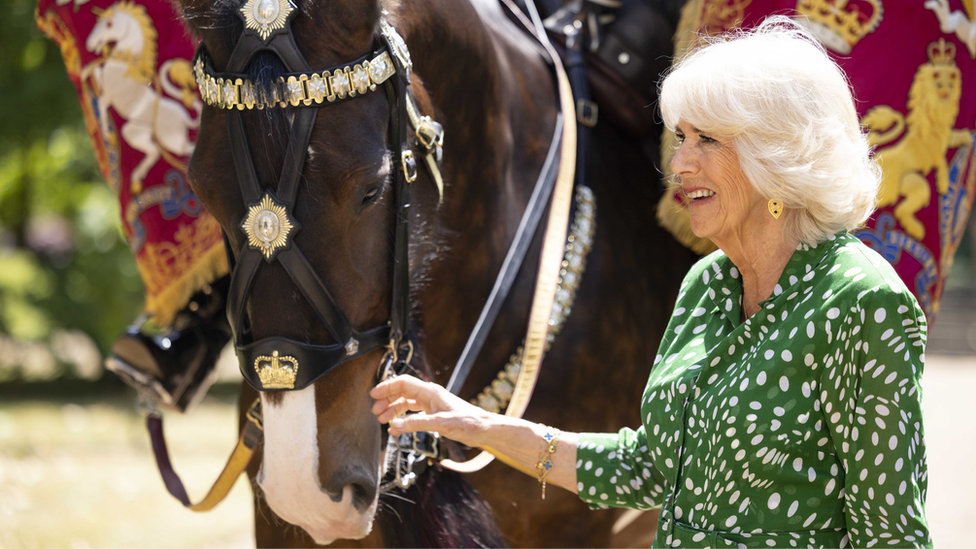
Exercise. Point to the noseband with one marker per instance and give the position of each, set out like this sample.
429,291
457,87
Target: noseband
277,363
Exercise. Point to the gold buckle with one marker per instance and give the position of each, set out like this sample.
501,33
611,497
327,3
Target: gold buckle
587,112
428,135
409,165
435,439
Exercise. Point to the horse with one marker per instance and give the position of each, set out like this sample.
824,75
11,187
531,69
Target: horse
155,125
316,477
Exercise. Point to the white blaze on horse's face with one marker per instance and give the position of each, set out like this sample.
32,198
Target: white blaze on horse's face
289,473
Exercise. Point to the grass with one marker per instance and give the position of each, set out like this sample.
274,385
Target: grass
78,472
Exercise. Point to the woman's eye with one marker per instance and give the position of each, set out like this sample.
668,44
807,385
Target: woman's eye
706,139
680,137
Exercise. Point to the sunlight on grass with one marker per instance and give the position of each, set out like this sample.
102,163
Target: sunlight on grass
81,474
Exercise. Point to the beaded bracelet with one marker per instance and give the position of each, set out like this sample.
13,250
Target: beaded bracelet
545,463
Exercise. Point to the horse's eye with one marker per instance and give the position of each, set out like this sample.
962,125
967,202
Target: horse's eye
371,195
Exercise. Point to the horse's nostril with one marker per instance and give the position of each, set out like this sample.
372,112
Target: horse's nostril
363,493
360,483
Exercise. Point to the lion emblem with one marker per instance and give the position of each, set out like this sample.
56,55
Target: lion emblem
933,104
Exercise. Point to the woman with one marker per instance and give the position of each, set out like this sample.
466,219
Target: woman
783,408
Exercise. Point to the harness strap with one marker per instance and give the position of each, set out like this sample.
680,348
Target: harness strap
406,172
314,290
510,266
251,436
552,251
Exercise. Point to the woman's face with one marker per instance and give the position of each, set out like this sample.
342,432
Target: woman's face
722,202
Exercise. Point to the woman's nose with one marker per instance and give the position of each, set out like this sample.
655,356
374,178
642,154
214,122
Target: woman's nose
683,162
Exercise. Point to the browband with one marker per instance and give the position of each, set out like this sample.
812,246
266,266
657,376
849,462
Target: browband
229,91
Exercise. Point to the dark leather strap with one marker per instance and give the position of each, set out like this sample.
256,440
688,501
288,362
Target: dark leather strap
512,263
281,44
298,138
400,305
240,284
303,275
247,176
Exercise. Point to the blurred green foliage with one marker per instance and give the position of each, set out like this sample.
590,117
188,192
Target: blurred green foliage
63,261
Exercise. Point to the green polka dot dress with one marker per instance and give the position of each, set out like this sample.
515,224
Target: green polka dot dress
800,427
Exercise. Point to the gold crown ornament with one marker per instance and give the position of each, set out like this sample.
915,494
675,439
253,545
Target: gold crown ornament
276,372
942,52
840,24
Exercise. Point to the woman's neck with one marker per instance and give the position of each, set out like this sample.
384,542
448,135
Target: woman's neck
760,260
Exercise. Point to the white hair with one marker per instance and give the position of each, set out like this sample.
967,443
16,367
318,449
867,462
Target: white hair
789,110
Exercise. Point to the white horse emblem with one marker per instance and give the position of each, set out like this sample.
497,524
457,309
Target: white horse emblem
125,79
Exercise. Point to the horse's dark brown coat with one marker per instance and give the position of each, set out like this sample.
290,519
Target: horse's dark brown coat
490,88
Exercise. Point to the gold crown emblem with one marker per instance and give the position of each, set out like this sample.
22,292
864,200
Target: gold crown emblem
276,372
838,24
942,52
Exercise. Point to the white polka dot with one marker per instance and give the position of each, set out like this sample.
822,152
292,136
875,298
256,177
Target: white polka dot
773,502
792,510
879,315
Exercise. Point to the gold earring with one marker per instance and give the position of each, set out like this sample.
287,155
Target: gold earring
775,207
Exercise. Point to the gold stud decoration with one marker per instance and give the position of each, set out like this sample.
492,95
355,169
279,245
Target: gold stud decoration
266,16
267,226
775,207
276,372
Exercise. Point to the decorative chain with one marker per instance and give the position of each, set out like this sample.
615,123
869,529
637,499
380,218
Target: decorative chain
496,396
545,461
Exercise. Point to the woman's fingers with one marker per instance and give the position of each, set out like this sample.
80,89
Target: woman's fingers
398,408
404,386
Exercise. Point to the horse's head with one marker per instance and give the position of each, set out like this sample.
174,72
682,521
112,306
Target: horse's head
117,25
323,449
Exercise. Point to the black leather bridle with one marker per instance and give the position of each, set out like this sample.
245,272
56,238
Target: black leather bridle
277,363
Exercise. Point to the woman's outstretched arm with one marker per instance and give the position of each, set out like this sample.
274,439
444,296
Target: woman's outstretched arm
517,442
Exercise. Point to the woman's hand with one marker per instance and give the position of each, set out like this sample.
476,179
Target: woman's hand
441,411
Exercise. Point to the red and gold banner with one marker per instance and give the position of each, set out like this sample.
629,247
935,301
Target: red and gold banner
130,63
912,64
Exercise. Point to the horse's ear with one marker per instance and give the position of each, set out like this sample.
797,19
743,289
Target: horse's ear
215,22
191,11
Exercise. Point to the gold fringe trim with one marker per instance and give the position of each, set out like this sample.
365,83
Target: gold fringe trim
206,269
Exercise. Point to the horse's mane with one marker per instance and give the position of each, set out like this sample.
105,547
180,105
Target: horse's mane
442,510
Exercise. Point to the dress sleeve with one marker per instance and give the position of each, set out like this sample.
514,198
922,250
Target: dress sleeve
614,470
871,398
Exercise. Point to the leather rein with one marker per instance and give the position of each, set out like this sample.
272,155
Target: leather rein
282,364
